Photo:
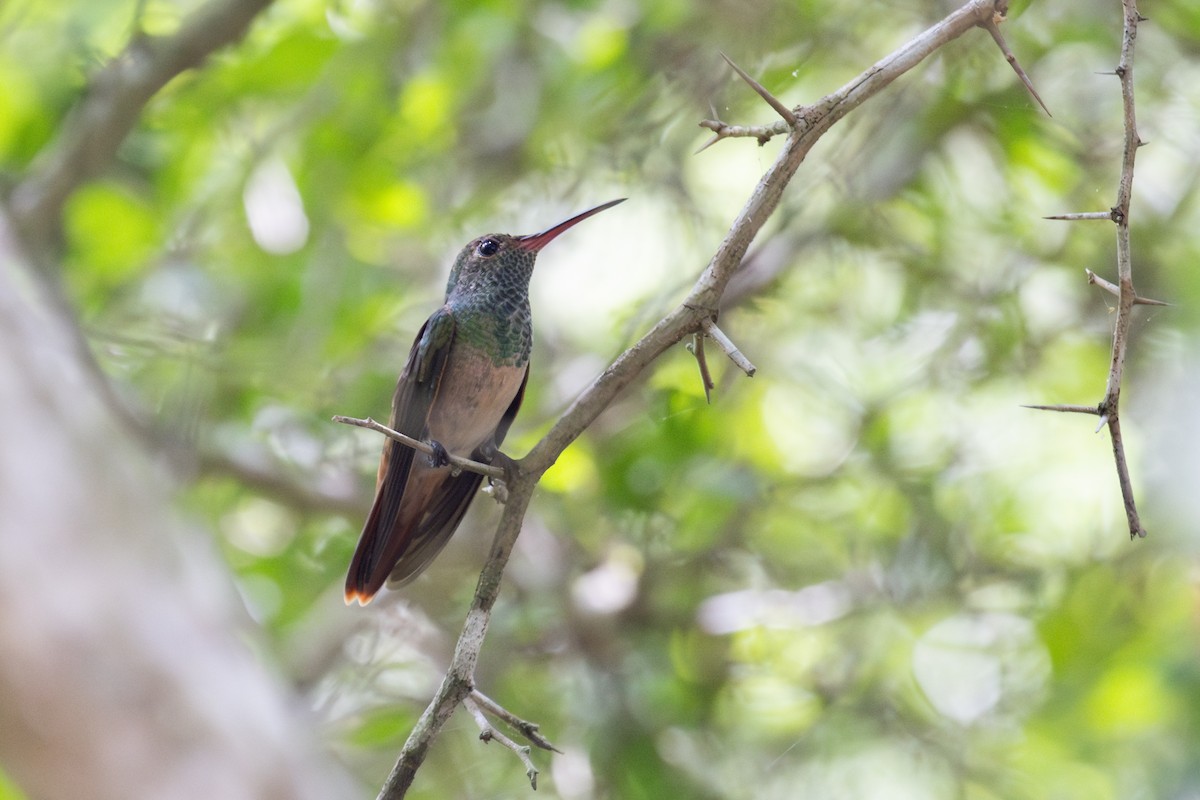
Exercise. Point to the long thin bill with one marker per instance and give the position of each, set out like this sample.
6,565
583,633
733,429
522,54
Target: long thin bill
536,241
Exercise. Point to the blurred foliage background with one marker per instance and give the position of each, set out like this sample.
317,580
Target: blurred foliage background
865,572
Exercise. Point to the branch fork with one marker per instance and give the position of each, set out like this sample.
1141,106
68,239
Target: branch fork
709,329
761,132
480,705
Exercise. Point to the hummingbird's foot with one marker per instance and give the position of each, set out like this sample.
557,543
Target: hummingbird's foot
504,462
439,457
490,454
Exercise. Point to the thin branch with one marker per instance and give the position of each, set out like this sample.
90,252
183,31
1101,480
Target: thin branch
529,730
257,471
683,321
762,133
1136,531
1127,296
487,470
726,344
488,733
1115,290
111,106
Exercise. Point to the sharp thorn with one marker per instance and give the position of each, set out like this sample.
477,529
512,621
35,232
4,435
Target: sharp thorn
1065,409
1078,215
1147,301
994,30
716,137
774,102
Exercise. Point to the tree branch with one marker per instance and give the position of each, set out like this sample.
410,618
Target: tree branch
1127,297
487,470
686,319
109,109
487,732
257,471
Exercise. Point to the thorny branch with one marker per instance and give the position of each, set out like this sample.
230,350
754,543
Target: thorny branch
1127,297
792,118
686,319
480,705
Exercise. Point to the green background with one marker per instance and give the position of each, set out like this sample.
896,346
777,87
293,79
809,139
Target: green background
866,571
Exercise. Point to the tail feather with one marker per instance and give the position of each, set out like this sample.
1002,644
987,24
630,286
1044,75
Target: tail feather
404,533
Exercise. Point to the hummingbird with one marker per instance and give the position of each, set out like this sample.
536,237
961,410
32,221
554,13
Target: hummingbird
460,391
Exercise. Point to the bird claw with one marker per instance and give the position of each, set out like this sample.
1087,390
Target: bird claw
439,457
489,453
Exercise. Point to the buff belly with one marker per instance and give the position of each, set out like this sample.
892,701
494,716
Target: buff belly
472,399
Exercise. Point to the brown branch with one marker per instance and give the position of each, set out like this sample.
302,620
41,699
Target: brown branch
109,109
488,733
1127,296
257,471
1136,531
529,730
487,470
686,319
1115,290
723,131
480,705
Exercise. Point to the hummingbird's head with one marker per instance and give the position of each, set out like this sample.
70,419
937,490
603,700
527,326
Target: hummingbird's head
493,261
498,259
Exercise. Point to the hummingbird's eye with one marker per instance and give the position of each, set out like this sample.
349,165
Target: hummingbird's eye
488,248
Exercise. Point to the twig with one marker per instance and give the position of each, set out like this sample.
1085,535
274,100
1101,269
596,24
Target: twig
674,327
726,344
723,131
1136,531
529,730
488,733
1115,290
467,464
